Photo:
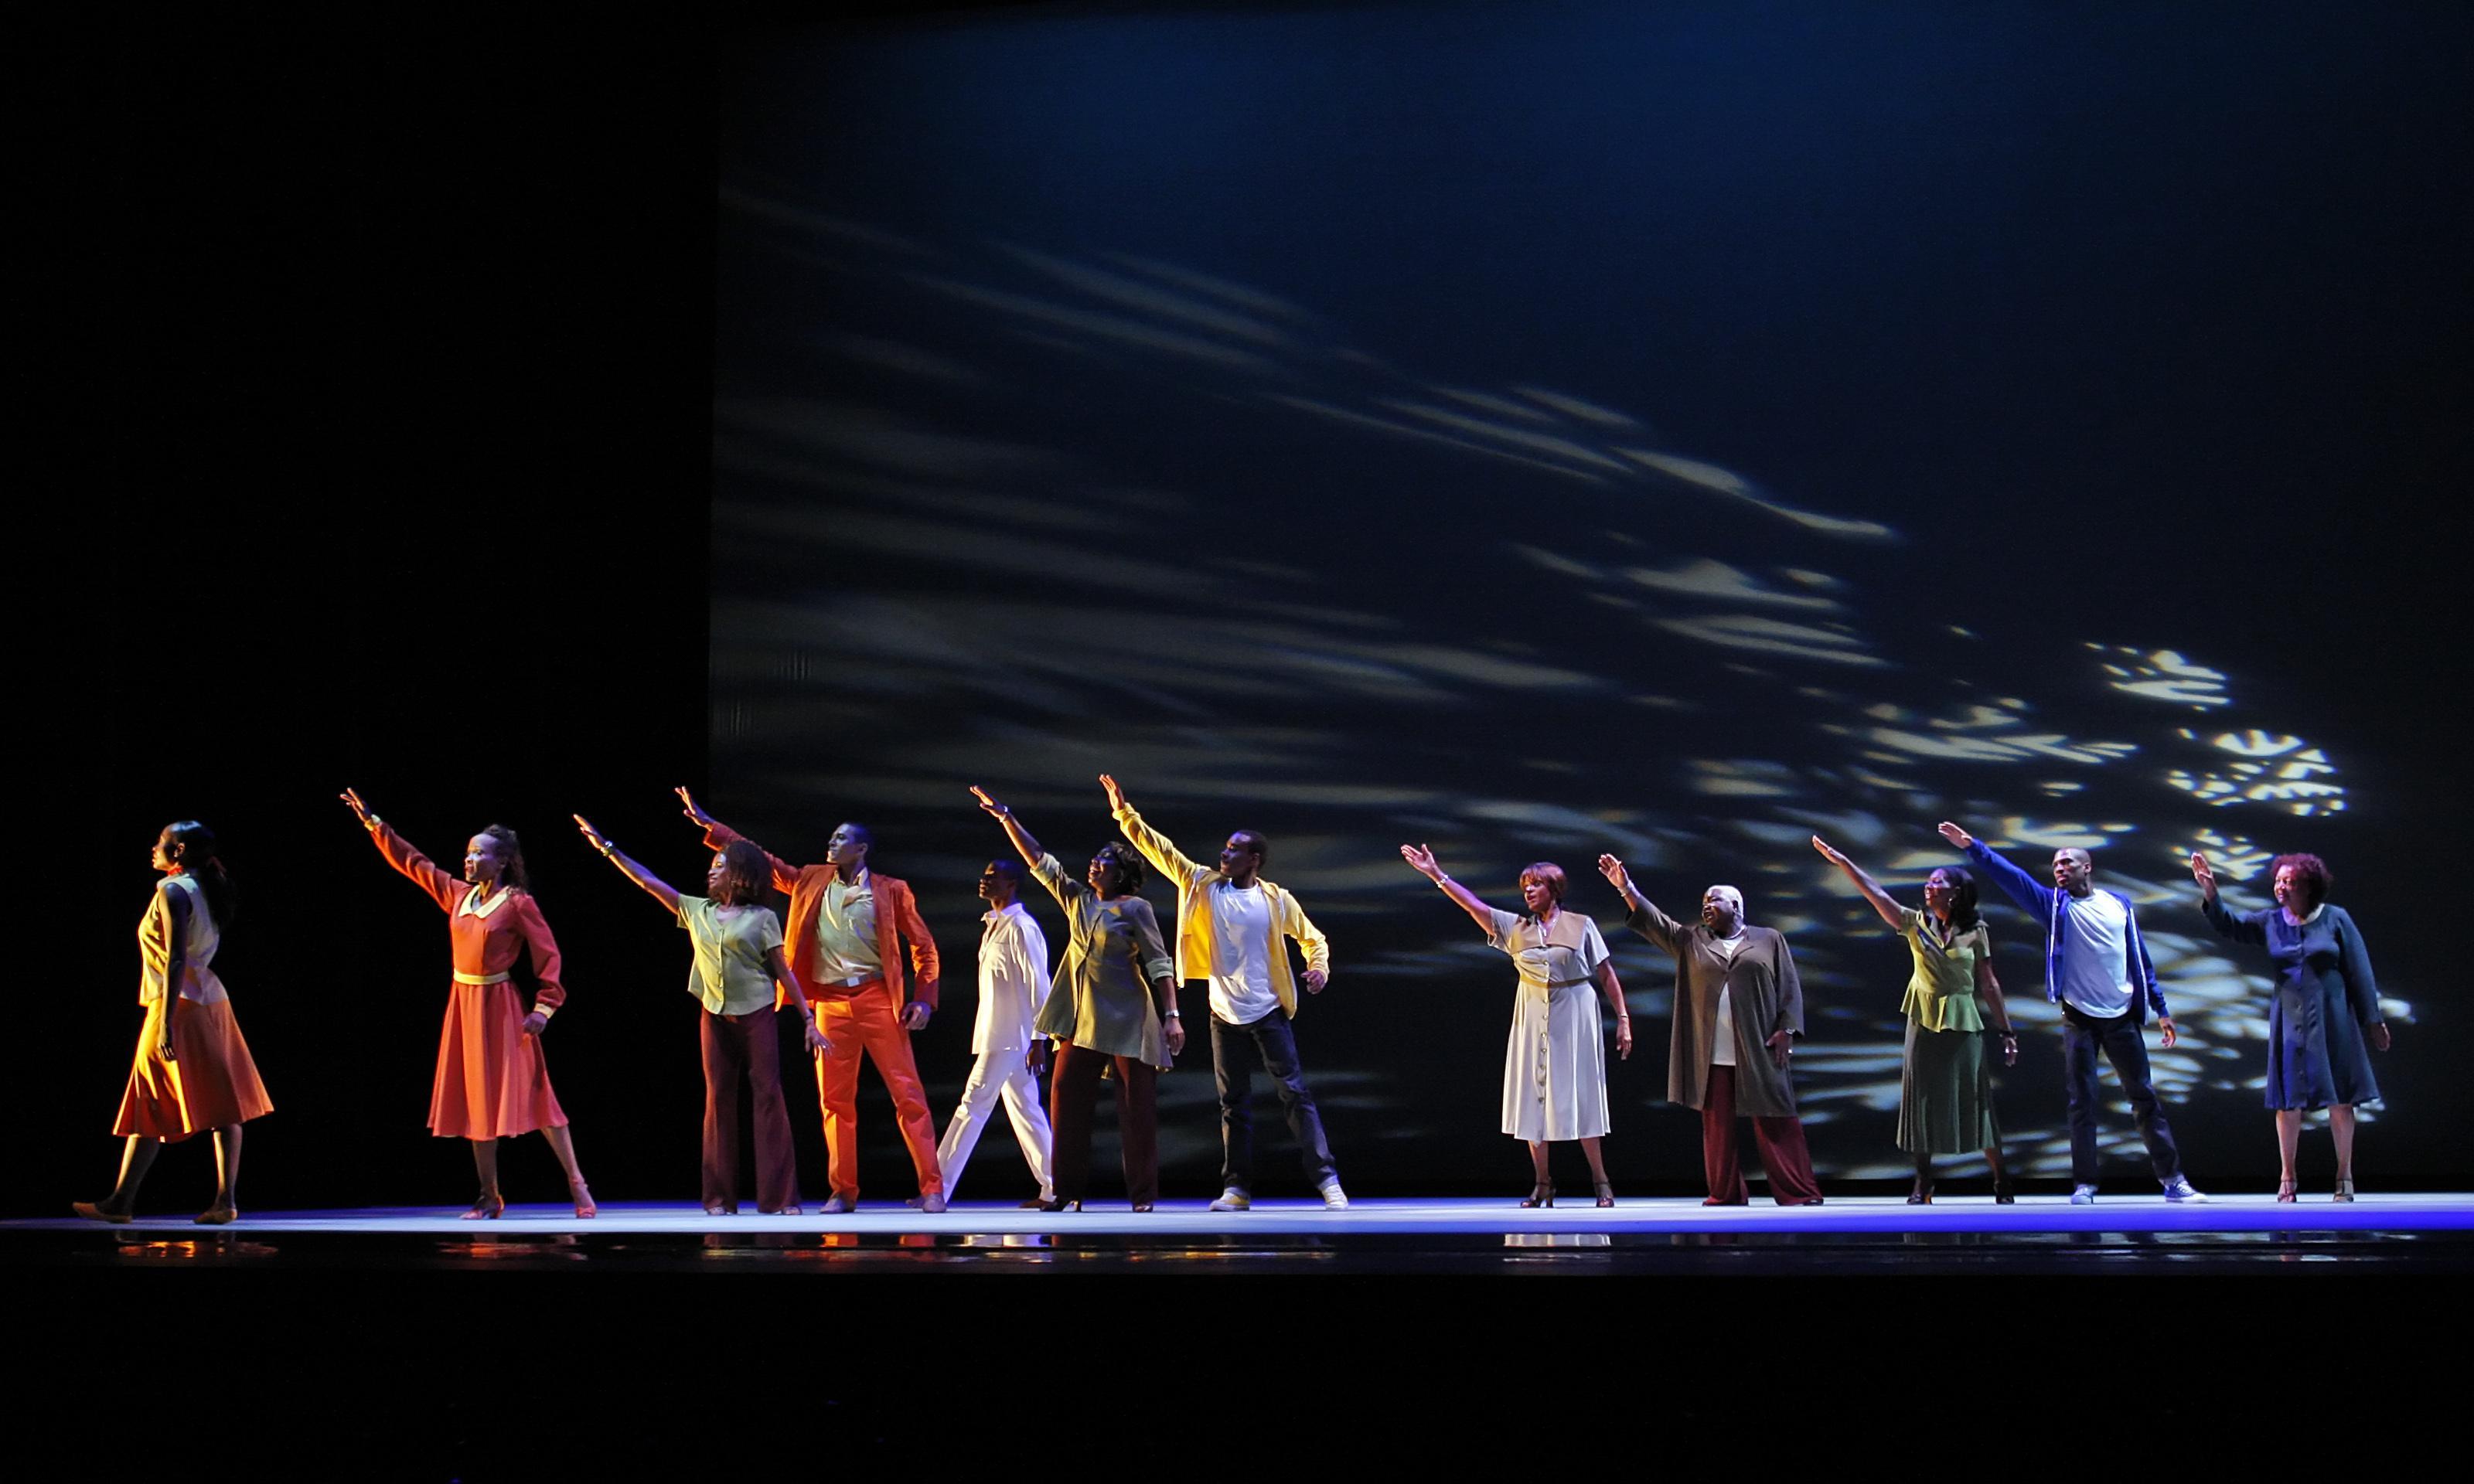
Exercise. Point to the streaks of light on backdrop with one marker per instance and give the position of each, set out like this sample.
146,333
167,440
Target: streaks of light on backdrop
1031,515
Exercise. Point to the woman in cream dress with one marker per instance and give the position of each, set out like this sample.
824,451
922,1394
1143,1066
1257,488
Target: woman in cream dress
1554,1068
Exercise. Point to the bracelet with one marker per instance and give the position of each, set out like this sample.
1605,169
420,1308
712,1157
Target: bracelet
606,848
1444,882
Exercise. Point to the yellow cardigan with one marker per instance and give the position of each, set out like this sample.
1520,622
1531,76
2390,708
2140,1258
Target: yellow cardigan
1194,925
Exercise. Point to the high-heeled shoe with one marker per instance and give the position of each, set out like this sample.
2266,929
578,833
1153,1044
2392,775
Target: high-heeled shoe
582,1193
2284,1191
96,1211
1142,1205
487,1208
1541,1194
1920,1193
2003,1194
218,1216
2345,1192
1606,1191
1058,1204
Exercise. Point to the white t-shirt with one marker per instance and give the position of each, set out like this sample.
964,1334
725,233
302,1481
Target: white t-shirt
2096,960
1722,1049
1241,954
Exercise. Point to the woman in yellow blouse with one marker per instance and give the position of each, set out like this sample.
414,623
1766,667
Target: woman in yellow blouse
737,968
1946,1092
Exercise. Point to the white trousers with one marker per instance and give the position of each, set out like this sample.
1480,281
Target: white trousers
994,1073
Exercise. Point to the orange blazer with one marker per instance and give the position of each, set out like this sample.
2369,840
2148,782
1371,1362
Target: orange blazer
897,920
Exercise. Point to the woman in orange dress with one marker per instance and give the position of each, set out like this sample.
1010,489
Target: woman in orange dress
193,1069
492,1081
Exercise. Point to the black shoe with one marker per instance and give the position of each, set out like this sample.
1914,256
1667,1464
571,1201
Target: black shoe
1541,1194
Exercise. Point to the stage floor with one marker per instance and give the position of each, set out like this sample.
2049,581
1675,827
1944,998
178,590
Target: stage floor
2044,1233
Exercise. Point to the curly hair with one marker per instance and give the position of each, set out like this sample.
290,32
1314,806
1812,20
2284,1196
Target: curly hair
1125,874
2310,872
746,874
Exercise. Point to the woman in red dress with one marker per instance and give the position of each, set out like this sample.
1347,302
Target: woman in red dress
193,1069
492,1081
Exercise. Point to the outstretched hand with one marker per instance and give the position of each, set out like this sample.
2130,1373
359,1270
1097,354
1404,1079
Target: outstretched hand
2203,873
360,810
1955,835
1829,855
591,836
694,811
1421,860
1116,794
989,804
1614,871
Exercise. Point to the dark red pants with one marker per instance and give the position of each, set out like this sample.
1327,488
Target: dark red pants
1072,1091
1783,1153
746,1048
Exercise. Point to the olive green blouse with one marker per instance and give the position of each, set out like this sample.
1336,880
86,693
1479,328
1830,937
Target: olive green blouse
1941,994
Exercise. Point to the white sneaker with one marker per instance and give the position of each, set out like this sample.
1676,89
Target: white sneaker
2178,1190
1232,1199
2083,1195
1333,1197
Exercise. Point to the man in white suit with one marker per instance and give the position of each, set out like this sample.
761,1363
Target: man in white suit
1013,983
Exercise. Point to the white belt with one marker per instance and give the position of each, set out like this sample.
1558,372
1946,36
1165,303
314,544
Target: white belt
462,977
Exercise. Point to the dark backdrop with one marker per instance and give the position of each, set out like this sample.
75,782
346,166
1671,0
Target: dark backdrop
381,393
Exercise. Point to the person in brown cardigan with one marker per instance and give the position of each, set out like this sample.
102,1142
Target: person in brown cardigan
1738,1010
849,926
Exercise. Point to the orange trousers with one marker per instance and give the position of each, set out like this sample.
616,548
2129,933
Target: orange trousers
866,1018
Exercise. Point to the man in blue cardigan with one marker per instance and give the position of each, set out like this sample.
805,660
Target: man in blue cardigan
2098,970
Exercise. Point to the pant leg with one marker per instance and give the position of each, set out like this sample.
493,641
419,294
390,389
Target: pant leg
970,1115
1232,1059
1721,1162
2079,1038
838,1093
1275,1041
724,1048
1139,1127
2126,1046
1073,1089
1789,1162
1031,1128
889,1046
777,1156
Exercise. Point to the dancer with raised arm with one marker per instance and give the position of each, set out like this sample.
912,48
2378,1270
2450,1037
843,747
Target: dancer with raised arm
2098,970
193,1069
1946,1086
1229,927
1114,1005
1554,1067
1738,1010
2323,1020
849,926
736,972
1009,1050
493,1081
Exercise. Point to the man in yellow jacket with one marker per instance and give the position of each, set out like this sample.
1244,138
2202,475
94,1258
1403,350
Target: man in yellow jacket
1229,923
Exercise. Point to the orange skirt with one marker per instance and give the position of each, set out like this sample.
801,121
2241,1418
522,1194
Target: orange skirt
492,1081
210,1083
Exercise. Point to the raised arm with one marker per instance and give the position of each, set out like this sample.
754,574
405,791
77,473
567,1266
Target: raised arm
1021,837
1642,914
1883,904
1156,848
1421,860
397,851
718,834
663,892
2240,928
2026,890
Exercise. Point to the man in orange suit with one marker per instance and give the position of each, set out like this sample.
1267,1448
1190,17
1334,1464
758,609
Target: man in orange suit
847,930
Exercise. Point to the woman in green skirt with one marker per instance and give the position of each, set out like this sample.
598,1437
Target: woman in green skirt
1946,1090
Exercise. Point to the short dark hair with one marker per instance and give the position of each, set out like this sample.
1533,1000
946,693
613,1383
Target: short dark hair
1010,870
1255,843
2309,871
1548,871
866,836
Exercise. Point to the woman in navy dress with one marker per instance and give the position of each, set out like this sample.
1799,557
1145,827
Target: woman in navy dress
2323,1021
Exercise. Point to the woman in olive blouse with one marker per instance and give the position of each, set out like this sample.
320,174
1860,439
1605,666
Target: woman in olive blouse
1946,1090
1114,1004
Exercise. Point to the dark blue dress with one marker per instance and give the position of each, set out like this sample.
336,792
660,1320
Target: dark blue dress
2324,997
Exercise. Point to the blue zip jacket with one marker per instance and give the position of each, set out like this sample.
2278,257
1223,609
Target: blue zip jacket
2034,895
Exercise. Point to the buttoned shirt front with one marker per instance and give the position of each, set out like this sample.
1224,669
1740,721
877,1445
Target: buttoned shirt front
1013,980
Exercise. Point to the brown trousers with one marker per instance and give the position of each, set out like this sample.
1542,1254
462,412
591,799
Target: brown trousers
747,1047
1072,1091
1782,1151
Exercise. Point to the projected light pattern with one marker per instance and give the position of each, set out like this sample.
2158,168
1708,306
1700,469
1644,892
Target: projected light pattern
1001,513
